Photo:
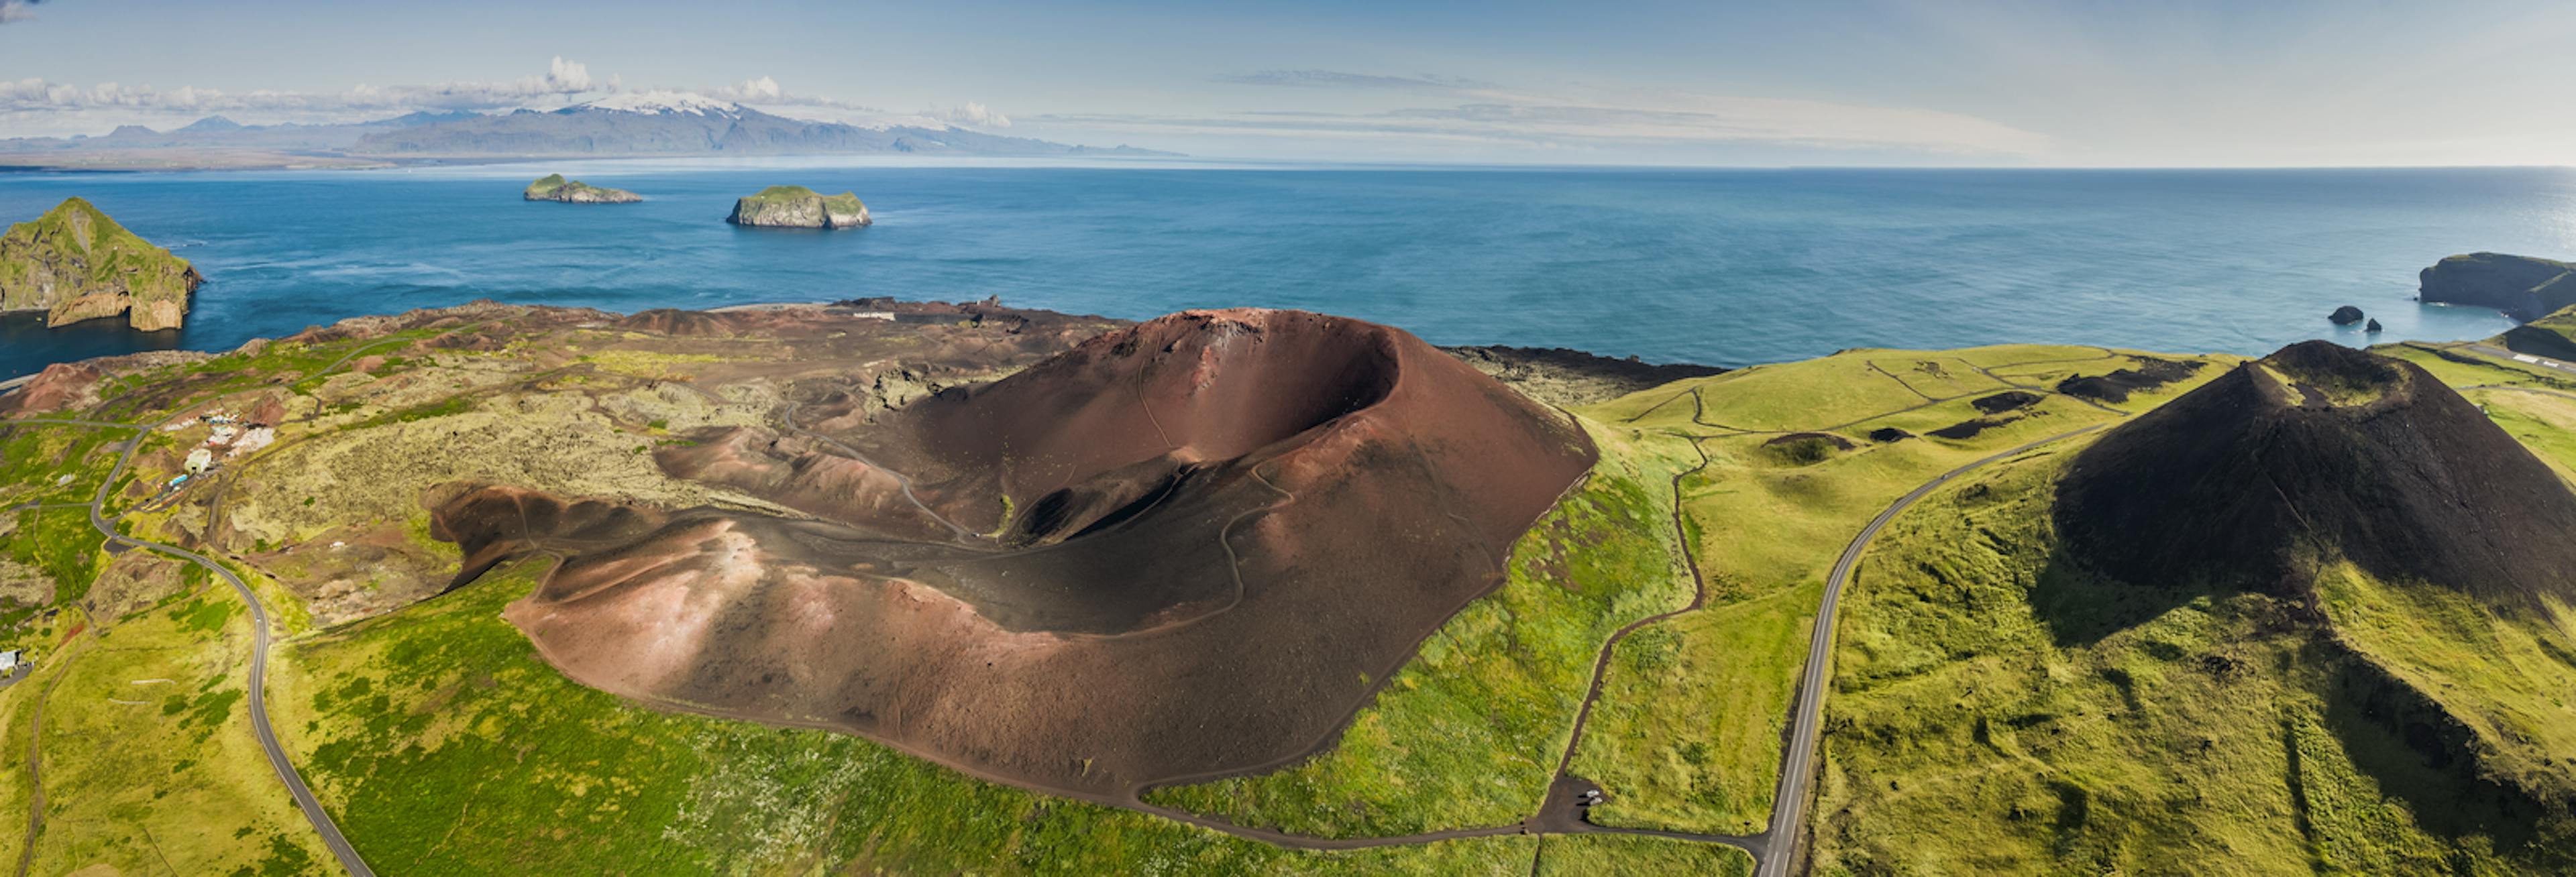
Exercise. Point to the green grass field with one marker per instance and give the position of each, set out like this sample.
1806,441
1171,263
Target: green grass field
1687,733
1592,855
149,764
1688,727
1469,733
1995,712
1992,713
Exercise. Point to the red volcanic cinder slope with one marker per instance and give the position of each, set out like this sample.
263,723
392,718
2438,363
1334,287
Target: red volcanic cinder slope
1196,542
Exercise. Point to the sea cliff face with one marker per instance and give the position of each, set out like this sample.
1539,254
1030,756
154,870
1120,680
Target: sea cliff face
2523,287
799,207
553,187
76,264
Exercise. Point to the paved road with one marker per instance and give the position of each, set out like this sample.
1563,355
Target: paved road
304,800
1798,766
2523,358
277,759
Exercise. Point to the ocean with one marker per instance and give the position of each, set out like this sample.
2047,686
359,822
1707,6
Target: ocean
1724,267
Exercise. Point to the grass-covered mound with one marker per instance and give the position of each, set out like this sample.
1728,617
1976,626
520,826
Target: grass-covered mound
2286,623
2552,336
1996,711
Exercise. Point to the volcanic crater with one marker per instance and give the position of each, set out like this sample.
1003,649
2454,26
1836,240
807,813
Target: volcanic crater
1187,548
2316,452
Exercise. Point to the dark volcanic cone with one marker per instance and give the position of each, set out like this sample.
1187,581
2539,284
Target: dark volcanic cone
2314,451
1183,548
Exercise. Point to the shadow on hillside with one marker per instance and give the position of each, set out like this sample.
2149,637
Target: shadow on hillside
2080,607
2423,758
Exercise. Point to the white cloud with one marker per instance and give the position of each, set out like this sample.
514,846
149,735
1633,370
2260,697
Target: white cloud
37,107
971,114
568,76
30,99
761,90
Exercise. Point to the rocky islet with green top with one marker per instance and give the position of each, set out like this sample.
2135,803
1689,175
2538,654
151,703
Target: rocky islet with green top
75,264
553,187
799,207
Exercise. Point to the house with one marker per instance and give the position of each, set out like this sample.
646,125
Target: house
9,661
198,460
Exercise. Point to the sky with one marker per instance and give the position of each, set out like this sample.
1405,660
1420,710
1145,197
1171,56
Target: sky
1868,82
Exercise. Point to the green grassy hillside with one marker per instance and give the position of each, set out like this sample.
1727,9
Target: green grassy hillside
1999,710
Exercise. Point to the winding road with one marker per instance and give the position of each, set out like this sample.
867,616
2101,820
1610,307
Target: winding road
277,759
1775,850
1798,766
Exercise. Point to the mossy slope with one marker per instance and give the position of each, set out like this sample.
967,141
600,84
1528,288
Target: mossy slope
76,264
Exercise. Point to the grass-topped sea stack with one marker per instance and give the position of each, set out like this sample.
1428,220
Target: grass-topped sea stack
2523,287
553,187
2318,453
799,207
75,264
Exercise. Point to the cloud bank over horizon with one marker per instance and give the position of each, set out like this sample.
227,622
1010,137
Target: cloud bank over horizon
38,107
1823,82
1457,110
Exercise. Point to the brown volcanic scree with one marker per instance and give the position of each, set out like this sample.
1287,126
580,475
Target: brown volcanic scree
1182,549
2319,446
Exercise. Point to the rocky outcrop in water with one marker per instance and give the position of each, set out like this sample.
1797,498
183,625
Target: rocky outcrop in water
2523,287
799,207
553,187
2345,316
76,264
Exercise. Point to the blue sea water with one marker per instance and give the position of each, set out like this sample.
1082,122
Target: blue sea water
1725,267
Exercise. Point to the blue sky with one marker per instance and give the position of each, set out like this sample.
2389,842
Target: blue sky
1901,82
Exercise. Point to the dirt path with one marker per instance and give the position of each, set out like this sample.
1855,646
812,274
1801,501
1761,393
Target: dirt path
35,765
788,419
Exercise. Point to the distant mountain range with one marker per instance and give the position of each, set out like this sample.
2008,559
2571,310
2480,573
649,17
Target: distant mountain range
660,123
676,123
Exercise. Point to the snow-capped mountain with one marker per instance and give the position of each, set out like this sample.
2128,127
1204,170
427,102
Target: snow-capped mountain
661,103
684,123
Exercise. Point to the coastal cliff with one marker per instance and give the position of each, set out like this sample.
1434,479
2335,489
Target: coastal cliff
2523,287
76,264
799,207
553,187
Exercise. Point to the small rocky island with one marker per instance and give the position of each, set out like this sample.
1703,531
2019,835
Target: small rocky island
2345,316
76,264
2523,287
799,207
553,187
